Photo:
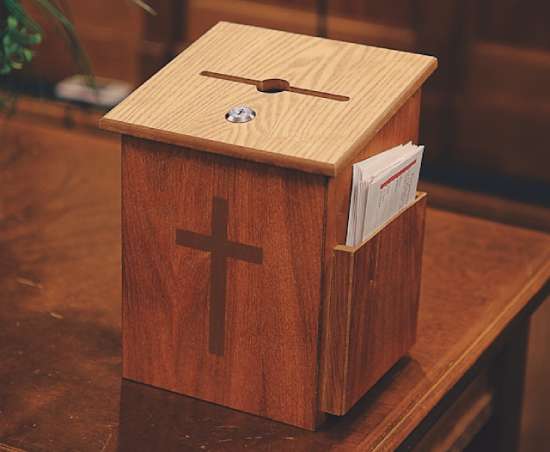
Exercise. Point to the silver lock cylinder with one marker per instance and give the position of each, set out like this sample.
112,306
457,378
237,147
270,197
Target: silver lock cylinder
240,114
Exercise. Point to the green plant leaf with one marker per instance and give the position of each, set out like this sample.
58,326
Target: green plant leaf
79,54
21,32
27,53
16,41
12,23
17,12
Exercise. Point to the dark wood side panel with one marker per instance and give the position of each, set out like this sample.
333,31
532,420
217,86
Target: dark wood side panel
269,365
374,306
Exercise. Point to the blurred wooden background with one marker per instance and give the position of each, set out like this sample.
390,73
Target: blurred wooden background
486,112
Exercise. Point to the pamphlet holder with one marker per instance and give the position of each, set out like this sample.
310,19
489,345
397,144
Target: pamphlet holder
370,318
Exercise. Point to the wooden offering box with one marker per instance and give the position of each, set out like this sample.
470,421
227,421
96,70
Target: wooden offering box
237,288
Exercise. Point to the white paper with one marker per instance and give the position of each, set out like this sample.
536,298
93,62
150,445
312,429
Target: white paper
382,185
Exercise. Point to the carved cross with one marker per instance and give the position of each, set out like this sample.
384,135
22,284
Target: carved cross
220,250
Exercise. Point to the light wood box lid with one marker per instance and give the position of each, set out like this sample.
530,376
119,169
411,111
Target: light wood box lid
180,106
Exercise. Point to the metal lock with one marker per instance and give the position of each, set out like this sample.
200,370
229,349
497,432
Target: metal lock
240,114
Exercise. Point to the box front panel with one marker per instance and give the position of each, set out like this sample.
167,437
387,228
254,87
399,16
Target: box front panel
222,279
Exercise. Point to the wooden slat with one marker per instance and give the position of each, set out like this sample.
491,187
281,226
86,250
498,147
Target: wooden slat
462,421
487,206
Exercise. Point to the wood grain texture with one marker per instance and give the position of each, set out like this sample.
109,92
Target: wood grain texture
179,106
201,15
370,319
60,253
269,365
59,230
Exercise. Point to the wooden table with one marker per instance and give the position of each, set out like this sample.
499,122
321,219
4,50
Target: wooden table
60,386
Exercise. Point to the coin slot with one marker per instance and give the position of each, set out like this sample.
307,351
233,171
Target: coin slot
275,85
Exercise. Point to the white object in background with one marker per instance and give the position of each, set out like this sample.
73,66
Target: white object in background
107,92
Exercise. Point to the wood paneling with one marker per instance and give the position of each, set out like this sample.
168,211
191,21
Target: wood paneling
161,33
110,32
504,111
506,22
201,15
400,13
269,362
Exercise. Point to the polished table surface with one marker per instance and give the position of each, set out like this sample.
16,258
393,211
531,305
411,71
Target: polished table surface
60,285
